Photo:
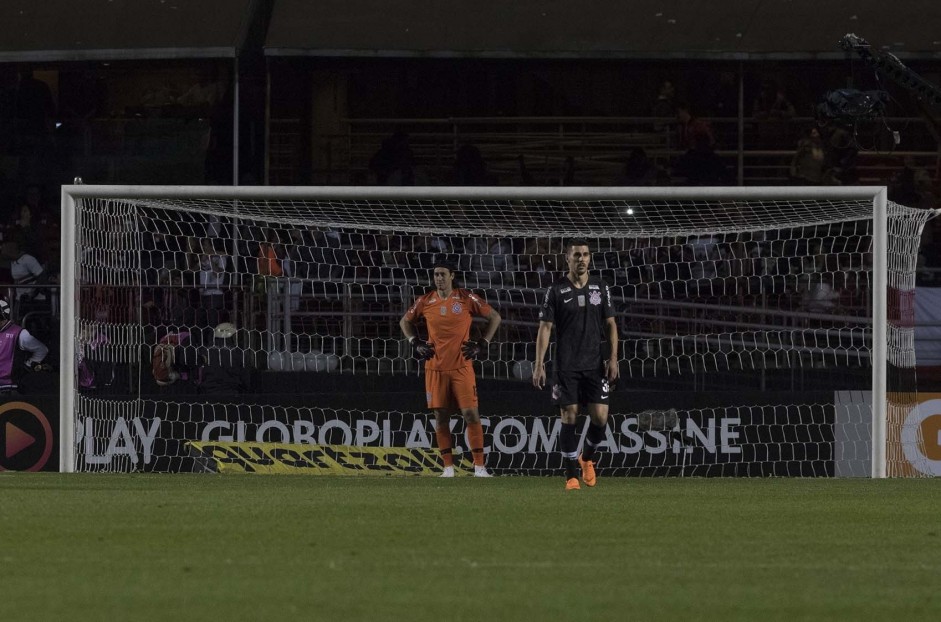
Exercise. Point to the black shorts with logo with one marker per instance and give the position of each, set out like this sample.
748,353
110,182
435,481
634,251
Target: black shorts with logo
580,387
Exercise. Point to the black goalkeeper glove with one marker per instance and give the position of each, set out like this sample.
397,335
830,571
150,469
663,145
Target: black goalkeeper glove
472,349
423,350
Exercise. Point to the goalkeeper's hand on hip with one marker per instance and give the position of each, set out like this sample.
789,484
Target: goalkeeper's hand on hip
473,349
423,350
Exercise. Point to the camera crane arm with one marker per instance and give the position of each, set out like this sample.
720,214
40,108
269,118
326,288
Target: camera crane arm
890,66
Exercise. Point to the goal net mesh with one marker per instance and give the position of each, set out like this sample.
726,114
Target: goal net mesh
749,323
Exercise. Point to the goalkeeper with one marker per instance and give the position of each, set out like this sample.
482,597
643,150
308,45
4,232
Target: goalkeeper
450,385
19,351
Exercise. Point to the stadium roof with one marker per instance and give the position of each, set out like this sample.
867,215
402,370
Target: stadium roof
77,30
643,29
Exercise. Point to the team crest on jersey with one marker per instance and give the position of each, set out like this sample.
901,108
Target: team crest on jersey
594,298
456,307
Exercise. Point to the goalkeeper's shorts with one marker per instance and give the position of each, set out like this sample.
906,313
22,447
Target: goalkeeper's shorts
456,388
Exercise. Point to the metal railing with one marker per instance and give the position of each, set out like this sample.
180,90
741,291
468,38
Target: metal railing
592,150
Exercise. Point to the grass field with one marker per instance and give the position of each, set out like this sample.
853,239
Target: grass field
189,547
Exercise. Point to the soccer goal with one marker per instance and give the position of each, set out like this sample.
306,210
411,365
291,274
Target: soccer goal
764,331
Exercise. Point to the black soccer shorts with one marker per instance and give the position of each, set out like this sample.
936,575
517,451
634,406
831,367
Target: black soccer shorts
580,387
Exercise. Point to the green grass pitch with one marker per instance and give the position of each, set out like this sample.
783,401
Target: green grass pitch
190,547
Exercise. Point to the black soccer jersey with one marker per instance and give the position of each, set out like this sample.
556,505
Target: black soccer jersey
579,316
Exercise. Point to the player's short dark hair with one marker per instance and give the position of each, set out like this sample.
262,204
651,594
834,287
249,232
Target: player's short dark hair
442,261
576,242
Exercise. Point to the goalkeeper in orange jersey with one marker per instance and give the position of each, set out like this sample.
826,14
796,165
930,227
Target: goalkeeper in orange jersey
450,385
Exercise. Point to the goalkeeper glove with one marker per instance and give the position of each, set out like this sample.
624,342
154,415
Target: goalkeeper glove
423,350
472,349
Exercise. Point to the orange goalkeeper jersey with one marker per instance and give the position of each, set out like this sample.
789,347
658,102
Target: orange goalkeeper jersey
449,321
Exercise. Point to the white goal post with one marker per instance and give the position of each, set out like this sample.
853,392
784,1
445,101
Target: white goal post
828,262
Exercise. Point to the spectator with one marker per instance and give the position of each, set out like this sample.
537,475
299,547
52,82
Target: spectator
269,263
526,178
470,168
924,184
166,304
902,188
701,166
24,270
35,109
212,280
820,296
808,167
772,110
842,155
568,172
382,163
638,170
16,343
222,365
664,106
29,219
94,371
691,130
296,266
772,103
212,267
394,163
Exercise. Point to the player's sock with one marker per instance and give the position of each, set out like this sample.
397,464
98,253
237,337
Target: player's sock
593,438
443,435
475,436
568,442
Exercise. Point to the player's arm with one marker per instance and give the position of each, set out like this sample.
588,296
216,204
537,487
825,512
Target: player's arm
422,349
612,370
37,350
34,267
472,349
493,323
408,329
546,320
542,345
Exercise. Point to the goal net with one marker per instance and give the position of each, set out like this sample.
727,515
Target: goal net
764,331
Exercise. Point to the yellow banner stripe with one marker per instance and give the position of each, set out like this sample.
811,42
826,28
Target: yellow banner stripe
283,458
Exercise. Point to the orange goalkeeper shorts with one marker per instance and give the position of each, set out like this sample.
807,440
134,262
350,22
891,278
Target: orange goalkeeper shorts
456,388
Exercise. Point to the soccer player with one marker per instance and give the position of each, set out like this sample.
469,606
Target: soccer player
579,306
450,385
